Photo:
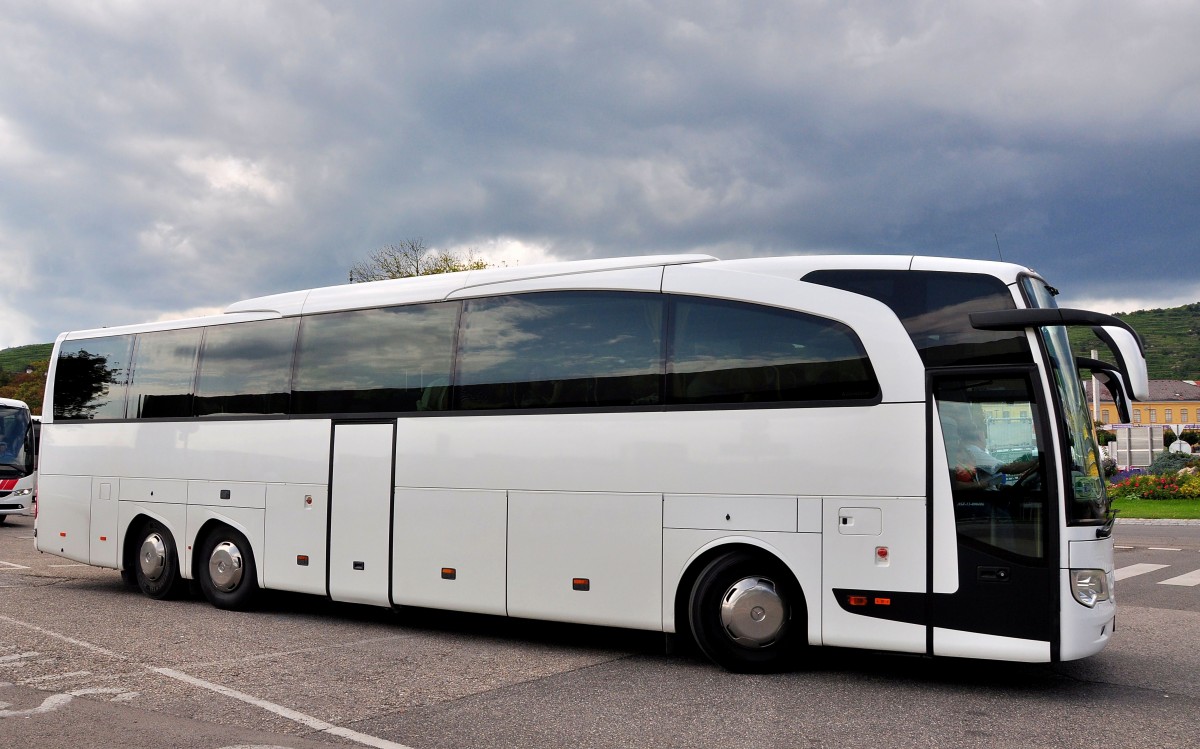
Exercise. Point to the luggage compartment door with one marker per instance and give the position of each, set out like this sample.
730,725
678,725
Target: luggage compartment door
360,512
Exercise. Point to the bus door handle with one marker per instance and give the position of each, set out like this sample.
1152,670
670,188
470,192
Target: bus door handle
994,574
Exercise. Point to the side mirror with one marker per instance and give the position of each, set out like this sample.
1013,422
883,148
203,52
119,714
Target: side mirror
1110,377
1128,352
1125,344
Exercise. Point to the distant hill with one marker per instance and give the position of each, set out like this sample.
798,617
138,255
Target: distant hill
14,359
1172,338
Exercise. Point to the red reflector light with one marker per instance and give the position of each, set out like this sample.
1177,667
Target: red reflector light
883,602
104,538
63,534
581,583
302,560
449,573
858,600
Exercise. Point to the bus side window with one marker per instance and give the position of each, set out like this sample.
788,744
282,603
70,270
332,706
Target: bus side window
394,359
245,368
164,372
91,377
732,352
591,349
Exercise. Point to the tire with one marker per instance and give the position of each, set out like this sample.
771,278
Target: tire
156,562
226,571
747,614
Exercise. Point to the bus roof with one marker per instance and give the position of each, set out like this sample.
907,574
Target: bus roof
798,266
446,285
440,286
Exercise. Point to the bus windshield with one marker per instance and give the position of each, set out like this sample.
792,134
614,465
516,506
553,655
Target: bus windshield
1086,499
16,455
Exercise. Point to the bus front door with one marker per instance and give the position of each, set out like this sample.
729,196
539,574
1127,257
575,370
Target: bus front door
360,499
994,518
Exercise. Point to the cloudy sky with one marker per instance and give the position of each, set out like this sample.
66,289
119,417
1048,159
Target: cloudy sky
163,158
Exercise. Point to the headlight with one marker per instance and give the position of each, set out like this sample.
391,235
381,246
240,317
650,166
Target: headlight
1089,586
22,492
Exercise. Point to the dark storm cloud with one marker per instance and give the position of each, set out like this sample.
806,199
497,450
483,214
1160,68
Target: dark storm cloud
160,158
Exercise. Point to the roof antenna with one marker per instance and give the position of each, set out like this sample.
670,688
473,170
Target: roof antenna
998,252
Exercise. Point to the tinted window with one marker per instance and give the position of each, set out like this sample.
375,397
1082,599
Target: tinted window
560,350
991,430
16,442
728,352
164,370
90,378
934,306
245,368
381,360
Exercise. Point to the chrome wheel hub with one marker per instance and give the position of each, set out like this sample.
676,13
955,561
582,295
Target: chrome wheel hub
152,558
752,612
225,566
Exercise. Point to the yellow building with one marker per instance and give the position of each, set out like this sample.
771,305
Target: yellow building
1174,403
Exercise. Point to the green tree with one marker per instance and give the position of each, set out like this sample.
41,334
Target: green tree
413,258
30,387
81,379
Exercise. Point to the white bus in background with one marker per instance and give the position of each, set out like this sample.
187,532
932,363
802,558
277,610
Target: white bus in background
670,443
18,459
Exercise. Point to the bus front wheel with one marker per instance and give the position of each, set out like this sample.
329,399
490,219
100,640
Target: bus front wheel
157,567
226,570
747,614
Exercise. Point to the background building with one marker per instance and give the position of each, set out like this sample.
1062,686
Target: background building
1174,403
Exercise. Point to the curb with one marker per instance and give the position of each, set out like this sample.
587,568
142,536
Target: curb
1164,521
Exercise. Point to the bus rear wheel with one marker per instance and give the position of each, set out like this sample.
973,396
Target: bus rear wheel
156,568
747,614
227,574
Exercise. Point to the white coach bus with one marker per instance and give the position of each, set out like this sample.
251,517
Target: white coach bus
18,458
762,454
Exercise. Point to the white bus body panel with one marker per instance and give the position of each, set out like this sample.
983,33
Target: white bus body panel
945,528
268,451
64,515
855,529
105,521
738,452
295,538
465,530
145,466
731,512
612,540
620,454
958,644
